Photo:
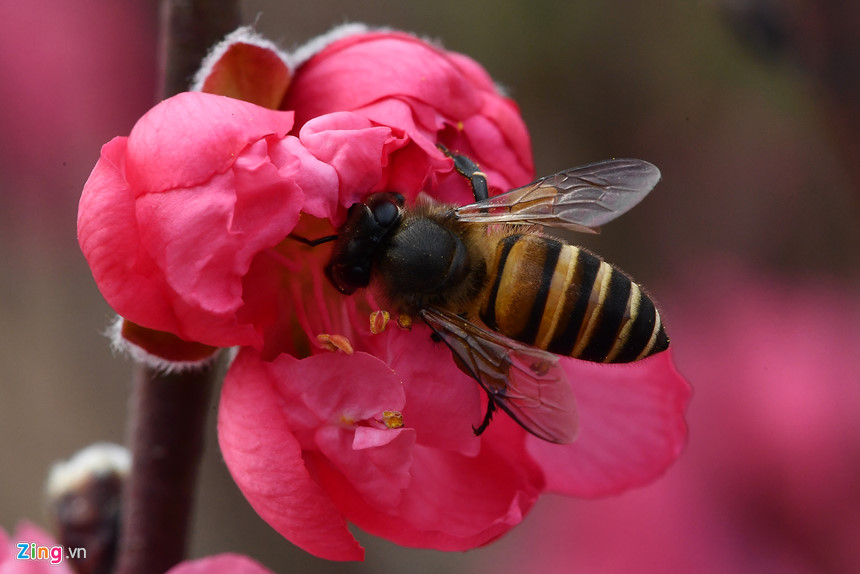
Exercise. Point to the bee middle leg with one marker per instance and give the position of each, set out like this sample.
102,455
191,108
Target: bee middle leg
470,170
491,408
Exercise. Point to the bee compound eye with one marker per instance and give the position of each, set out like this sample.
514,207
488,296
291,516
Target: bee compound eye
386,214
385,208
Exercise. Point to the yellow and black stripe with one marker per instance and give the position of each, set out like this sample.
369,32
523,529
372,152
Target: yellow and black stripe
562,298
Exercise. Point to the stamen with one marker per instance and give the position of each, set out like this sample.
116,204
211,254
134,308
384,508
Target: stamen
392,419
404,321
320,300
282,259
335,343
299,310
379,321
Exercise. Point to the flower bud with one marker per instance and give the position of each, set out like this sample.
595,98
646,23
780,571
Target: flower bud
84,495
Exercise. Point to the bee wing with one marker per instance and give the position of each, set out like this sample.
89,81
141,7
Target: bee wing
524,381
580,199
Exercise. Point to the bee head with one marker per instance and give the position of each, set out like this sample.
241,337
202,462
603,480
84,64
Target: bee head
359,240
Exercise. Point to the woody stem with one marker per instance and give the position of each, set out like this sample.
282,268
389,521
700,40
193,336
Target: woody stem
166,440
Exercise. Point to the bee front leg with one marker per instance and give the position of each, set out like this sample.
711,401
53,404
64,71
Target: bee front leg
471,171
491,408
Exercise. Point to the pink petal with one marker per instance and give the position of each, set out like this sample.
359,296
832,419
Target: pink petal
424,95
266,462
318,180
186,139
204,237
412,165
454,502
220,564
631,427
417,120
110,240
336,389
411,170
322,400
494,137
442,403
362,69
376,462
355,147
499,140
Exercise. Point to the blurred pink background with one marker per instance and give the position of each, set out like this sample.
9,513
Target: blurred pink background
749,244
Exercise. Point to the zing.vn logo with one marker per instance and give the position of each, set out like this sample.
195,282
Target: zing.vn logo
31,551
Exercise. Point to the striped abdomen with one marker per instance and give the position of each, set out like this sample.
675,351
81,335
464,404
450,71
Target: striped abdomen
568,301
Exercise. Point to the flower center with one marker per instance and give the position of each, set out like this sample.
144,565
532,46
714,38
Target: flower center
308,306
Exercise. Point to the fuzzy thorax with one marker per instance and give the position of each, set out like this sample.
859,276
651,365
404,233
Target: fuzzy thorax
432,260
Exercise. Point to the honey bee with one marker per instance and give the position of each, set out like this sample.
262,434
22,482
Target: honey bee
505,298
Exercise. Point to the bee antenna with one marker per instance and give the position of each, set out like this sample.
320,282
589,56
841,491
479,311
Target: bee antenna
313,242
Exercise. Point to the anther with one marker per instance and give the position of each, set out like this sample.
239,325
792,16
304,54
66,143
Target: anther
335,343
379,321
404,321
392,419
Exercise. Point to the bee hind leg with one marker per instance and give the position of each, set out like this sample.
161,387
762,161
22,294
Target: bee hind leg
491,408
470,170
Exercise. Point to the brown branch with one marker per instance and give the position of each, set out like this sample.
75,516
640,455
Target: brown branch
167,429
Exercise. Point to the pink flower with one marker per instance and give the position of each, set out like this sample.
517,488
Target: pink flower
323,457
186,223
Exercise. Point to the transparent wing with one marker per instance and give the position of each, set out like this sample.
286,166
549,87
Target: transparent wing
580,199
524,381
